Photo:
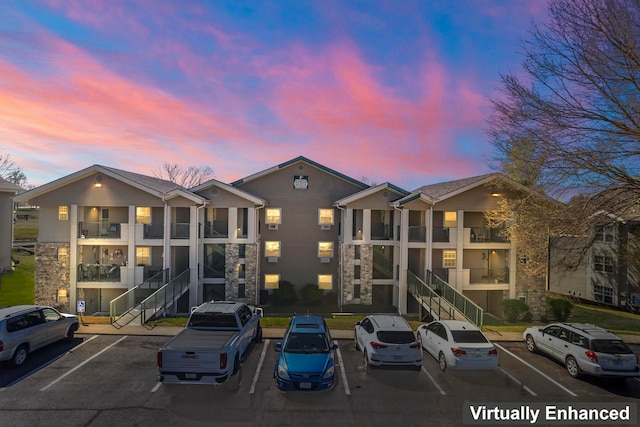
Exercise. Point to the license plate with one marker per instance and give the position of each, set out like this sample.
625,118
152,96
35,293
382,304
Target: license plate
305,385
617,362
398,357
190,376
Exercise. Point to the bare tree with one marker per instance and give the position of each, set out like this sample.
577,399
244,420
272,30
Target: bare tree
573,118
9,171
579,105
188,178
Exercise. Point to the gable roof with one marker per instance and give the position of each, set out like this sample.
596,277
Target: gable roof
444,190
156,186
293,161
9,187
369,191
233,190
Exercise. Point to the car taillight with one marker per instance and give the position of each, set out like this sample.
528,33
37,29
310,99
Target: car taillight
592,356
415,345
223,360
377,345
493,352
458,352
159,359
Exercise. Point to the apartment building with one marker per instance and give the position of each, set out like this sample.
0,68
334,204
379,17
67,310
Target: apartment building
104,231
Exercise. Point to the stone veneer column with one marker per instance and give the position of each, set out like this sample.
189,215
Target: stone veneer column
251,289
51,275
232,257
535,289
366,274
348,262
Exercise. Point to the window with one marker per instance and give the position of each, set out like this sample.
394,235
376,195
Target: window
605,233
356,291
325,249
143,215
450,219
325,216
272,249
449,259
63,254
271,281
603,264
325,281
63,213
603,294
273,215
143,255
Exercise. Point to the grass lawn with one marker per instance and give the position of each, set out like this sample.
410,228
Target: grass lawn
17,287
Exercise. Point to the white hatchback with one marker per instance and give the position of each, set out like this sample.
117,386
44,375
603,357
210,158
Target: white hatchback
387,339
458,344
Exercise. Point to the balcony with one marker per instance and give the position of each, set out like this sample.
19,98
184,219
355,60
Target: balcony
216,229
441,234
153,231
98,230
98,273
381,231
486,234
488,276
180,231
417,233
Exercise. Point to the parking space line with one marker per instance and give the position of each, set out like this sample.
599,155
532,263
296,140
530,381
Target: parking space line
537,370
83,343
252,389
433,380
517,381
82,364
347,390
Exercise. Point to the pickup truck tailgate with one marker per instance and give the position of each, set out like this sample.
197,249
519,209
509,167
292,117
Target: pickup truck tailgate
195,350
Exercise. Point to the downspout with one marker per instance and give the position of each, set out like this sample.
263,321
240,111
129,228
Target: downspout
341,265
197,250
257,273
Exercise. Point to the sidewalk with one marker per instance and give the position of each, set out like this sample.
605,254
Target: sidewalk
271,333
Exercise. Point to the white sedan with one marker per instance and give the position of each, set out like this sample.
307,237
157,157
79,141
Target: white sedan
458,344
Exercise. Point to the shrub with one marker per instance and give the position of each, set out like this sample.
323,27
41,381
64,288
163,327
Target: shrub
514,309
285,294
560,308
311,294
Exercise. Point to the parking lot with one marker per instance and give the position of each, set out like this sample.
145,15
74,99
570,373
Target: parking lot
106,380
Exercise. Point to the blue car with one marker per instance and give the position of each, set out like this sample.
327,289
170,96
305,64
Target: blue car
305,361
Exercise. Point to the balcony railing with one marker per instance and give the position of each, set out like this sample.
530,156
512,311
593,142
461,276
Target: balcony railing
98,273
98,230
417,233
153,231
216,229
180,231
441,234
488,275
486,234
381,231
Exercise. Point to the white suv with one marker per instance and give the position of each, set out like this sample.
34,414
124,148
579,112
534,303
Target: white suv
387,339
584,349
26,328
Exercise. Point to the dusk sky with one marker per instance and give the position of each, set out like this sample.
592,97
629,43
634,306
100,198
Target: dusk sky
395,91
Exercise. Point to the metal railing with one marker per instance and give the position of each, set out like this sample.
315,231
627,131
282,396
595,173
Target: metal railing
129,300
437,290
165,297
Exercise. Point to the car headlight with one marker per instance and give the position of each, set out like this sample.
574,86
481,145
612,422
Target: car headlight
282,370
328,373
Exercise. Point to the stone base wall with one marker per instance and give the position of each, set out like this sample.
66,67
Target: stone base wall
536,292
232,257
251,286
51,275
232,277
366,274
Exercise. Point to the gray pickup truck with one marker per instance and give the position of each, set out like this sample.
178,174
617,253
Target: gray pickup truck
209,350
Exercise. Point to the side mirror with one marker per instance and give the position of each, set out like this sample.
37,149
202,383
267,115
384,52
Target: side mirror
334,346
278,346
358,323
259,311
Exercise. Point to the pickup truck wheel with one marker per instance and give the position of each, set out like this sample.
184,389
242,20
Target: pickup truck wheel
258,337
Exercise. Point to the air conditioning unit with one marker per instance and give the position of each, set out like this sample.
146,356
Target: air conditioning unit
325,260
272,226
325,226
272,259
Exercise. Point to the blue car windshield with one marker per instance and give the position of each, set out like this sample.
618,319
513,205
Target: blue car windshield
306,343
